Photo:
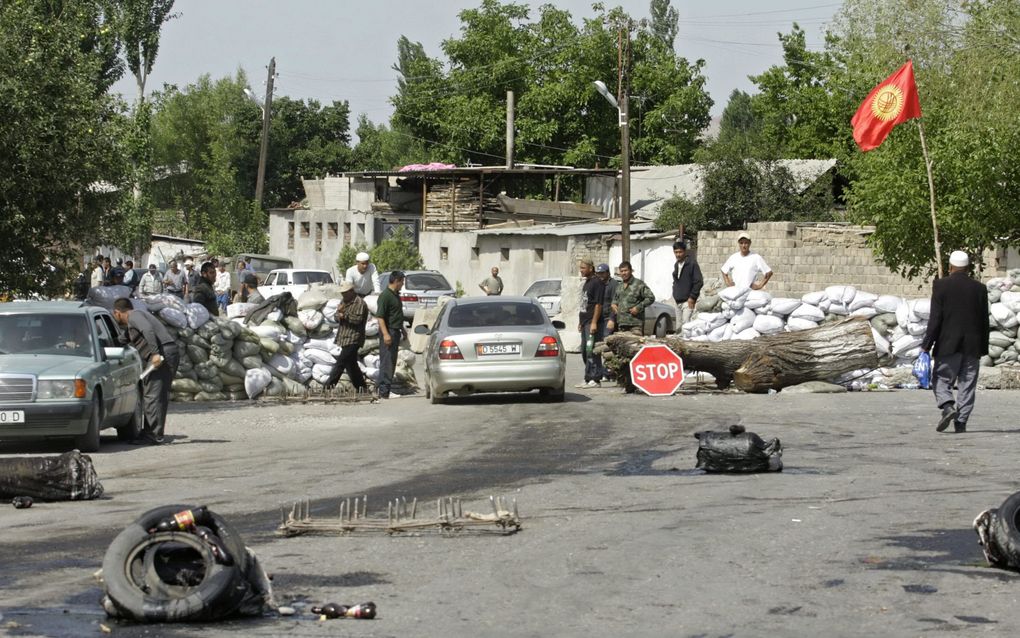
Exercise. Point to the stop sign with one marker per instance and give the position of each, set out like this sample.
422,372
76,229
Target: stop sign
657,371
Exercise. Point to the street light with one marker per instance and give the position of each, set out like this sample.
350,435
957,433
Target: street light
624,208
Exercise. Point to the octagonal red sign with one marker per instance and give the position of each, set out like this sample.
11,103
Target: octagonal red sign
657,371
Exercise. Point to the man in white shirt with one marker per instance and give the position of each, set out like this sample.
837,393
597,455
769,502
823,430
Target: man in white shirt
222,287
743,267
363,275
151,283
98,274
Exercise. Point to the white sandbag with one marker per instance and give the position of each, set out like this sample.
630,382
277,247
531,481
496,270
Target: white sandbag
747,335
837,308
325,345
282,364
757,299
236,310
911,354
903,313
1003,316
916,328
274,316
881,343
798,323
1009,297
310,318
197,314
372,327
174,317
293,339
921,308
727,313
865,311
317,356
311,299
371,360
888,303
783,306
734,292
768,324
717,334
742,320
863,300
905,343
809,312
255,381
329,310
814,298
841,294
372,301
271,331
406,357
372,373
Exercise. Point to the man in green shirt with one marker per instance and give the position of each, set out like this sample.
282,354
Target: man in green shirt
390,313
631,298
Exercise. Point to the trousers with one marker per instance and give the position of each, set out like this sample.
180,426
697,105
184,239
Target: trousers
156,392
388,361
683,313
347,361
593,370
963,370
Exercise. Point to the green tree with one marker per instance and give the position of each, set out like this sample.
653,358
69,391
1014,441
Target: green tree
397,252
347,254
59,141
676,211
664,21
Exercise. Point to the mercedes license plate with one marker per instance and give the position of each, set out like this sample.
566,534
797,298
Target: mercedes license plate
8,417
498,348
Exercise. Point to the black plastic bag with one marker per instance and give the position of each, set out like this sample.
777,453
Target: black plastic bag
738,451
68,477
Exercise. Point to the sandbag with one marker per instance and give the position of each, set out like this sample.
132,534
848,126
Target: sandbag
310,318
269,345
864,311
282,364
196,354
881,343
233,368
796,323
174,317
783,306
206,370
757,299
252,362
737,450
244,349
768,324
916,329
68,477
197,314
406,357
921,308
312,299
318,356
707,303
742,320
747,335
268,330
255,381
996,338
372,327
888,303
863,300
211,385
329,310
841,294
902,345
185,385
1003,316
809,312
235,310
294,325
104,296
324,345
814,298
210,396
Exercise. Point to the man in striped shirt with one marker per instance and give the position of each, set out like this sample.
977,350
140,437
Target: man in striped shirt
351,315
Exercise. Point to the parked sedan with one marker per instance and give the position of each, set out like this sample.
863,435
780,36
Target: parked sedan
493,344
292,280
422,289
62,374
660,317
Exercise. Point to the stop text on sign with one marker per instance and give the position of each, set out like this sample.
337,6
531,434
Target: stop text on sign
656,371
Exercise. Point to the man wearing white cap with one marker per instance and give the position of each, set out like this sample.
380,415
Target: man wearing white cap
363,275
743,266
958,328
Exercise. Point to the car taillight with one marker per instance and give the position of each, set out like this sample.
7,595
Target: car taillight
413,298
449,350
549,347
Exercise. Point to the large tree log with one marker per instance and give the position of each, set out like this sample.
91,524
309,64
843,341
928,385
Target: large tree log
769,362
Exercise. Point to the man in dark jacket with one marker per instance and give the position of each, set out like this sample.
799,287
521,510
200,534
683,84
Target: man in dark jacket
687,283
352,315
203,292
958,328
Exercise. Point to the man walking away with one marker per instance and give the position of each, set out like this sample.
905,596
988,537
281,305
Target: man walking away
363,275
203,292
631,298
151,283
958,328
222,287
743,267
250,289
175,281
351,315
390,312
492,285
687,283
157,348
593,294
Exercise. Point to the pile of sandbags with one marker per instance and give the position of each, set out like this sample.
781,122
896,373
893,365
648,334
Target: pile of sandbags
281,347
898,324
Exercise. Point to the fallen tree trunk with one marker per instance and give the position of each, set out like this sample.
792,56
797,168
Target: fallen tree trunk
770,362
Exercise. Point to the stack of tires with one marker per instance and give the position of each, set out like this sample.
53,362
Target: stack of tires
998,531
176,577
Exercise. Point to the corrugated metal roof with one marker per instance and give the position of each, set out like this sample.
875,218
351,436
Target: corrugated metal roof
570,230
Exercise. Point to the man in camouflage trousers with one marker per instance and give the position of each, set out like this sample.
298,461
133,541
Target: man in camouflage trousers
631,298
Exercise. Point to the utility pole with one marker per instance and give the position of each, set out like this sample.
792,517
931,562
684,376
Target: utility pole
624,58
509,129
267,110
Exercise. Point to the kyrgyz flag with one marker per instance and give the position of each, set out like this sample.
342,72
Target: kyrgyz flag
891,102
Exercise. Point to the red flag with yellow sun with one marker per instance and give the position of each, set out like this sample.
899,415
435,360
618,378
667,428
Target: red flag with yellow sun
893,101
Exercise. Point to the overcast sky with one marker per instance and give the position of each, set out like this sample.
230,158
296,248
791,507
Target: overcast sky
343,50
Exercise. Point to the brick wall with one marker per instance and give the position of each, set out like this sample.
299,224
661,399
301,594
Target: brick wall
812,256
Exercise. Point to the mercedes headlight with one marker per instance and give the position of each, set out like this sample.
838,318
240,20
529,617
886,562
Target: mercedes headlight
60,389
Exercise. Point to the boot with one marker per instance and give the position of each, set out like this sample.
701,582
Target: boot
948,415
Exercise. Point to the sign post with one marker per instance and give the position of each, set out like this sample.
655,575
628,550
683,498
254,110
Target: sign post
657,371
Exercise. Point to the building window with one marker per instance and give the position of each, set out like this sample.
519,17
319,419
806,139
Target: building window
331,229
444,253
539,255
318,236
474,253
504,254
347,233
361,233
290,235
305,230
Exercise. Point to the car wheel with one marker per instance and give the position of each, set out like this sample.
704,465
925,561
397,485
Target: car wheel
89,442
661,327
554,395
130,430
434,397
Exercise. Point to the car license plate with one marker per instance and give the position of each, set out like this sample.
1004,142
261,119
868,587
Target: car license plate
8,417
498,348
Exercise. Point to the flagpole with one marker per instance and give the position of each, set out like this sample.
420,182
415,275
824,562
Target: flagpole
931,194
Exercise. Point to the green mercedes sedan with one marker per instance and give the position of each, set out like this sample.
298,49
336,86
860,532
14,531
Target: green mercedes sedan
63,374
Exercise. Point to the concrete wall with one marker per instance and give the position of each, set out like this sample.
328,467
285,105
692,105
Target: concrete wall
325,235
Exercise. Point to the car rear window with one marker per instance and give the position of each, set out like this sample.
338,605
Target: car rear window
312,278
543,288
496,314
426,281
45,334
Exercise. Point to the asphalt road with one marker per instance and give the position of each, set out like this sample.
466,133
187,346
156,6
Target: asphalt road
866,532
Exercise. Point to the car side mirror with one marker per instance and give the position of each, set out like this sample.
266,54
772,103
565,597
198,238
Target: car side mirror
559,325
115,354
421,329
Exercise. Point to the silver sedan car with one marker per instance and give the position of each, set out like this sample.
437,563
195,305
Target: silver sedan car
493,344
